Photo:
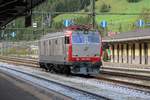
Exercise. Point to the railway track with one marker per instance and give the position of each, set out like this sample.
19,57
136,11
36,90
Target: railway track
20,61
132,77
59,88
132,81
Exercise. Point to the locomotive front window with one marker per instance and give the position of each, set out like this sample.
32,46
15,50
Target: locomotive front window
78,38
89,37
93,38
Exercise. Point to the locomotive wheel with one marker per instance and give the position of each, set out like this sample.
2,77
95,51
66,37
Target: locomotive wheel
50,66
66,70
41,65
46,67
61,69
53,70
56,68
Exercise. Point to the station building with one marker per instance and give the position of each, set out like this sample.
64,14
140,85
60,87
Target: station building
130,48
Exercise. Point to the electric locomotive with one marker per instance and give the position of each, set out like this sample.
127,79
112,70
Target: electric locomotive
76,50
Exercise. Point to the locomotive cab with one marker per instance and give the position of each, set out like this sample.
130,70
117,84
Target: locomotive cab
84,51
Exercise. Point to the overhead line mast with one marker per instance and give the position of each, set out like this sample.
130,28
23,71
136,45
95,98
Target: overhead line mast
93,13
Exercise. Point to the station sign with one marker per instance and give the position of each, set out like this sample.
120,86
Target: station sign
68,23
34,24
140,23
103,24
13,34
112,33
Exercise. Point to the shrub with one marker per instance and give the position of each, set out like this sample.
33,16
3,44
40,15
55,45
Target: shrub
105,8
86,9
133,1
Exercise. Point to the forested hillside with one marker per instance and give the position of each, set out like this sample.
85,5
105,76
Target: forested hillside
63,5
48,20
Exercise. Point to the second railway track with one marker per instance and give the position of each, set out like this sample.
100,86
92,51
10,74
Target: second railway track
59,88
138,78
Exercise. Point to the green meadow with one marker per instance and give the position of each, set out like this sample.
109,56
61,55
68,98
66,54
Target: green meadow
116,23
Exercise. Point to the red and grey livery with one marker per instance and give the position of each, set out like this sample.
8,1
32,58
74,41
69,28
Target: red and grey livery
75,50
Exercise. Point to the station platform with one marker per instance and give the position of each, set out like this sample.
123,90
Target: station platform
126,65
10,91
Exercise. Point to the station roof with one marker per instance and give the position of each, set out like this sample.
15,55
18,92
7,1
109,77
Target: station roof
11,9
143,34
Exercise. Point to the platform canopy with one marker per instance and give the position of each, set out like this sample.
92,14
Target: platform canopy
141,34
11,9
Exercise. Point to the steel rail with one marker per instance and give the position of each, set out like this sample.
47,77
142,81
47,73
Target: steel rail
105,74
131,85
68,88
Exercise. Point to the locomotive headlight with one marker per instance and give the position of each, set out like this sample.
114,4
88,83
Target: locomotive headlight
67,53
77,59
75,55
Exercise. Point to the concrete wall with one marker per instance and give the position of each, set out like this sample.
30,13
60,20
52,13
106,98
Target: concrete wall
143,59
136,60
149,53
125,53
112,55
120,55
115,53
130,56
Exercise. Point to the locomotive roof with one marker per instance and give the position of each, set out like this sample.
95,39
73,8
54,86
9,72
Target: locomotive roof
129,36
57,34
51,35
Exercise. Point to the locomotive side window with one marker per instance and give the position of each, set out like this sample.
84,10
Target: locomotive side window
78,38
67,40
